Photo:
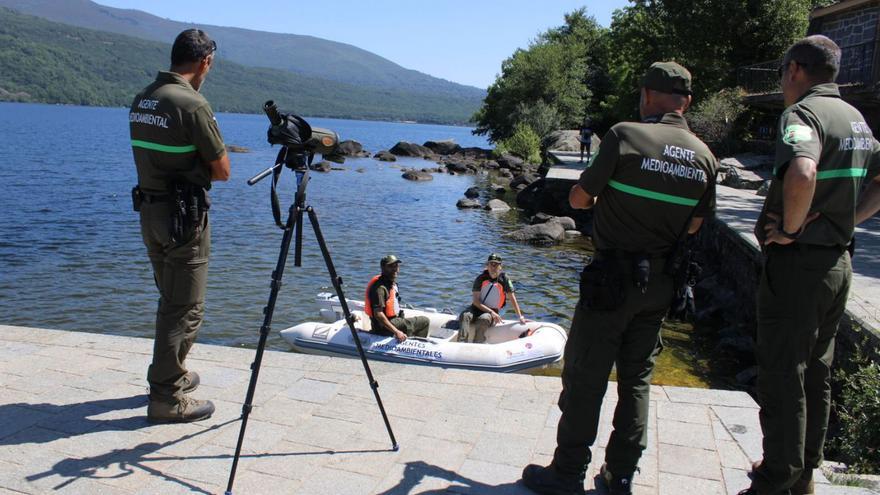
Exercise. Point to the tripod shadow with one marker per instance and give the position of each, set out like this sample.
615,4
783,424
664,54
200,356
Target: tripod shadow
417,471
120,463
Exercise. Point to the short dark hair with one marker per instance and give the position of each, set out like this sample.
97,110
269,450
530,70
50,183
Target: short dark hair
818,55
191,45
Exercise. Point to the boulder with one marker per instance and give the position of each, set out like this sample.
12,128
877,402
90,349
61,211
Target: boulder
468,203
404,148
474,153
567,223
491,164
497,205
447,147
322,166
472,192
744,179
505,173
458,167
544,233
526,179
509,161
417,175
563,140
385,156
747,161
497,188
333,157
351,148
236,149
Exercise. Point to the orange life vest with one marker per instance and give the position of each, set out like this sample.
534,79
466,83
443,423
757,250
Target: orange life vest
492,294
391,306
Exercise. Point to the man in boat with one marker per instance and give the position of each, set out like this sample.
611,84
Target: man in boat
382,305
178,151
654,181
490,292
824,153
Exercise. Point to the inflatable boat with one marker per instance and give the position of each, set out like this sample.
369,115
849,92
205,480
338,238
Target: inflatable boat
510,345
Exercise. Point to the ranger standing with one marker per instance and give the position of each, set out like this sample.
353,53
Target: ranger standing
178,151
653,179
823,154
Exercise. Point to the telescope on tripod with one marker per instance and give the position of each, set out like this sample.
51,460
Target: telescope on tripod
299,142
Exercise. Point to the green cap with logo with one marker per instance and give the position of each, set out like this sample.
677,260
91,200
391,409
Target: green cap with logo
389,260
494,258
668,77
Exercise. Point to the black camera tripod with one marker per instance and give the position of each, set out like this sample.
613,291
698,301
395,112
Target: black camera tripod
299,162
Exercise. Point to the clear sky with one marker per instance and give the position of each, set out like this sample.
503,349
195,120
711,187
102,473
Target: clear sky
463,41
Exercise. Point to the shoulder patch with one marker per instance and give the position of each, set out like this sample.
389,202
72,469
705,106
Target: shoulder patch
797,133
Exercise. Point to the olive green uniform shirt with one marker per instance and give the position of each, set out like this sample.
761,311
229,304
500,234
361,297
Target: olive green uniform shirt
647,177
824,128
173,134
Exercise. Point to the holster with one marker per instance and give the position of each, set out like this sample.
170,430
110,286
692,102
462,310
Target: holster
602,285
189,204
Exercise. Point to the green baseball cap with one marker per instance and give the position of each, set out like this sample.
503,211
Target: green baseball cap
668,77
389,260
494,257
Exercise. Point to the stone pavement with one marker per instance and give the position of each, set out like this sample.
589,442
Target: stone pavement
739,209
72,421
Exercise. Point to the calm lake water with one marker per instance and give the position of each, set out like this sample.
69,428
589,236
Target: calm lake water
71,255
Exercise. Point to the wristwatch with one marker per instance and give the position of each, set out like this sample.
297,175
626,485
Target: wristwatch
792,236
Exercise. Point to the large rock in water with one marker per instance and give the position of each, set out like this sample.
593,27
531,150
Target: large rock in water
351,148
384,156
447,147
542,233
417,175
404,148
497,205
472,192
510,162
468,203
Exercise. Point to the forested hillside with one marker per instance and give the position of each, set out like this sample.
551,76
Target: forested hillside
43,61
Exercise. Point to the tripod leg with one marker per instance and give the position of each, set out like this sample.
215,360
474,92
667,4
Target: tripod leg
295,212
337,284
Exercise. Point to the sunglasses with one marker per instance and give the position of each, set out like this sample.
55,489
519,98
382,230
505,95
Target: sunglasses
494,263
784,67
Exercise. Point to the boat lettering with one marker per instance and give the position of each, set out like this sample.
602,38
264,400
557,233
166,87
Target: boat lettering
321,333
411,348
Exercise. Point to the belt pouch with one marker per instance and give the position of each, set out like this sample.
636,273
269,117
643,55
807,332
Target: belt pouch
602,285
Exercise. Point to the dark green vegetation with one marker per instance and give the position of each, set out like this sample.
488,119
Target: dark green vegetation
857,439
583,70
42,61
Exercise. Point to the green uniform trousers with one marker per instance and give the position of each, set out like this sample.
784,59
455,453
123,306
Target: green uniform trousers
628,337
181,274
414,326
473,325
801,298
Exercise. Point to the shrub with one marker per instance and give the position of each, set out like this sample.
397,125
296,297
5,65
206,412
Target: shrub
524,143
858,410
720,120
540,116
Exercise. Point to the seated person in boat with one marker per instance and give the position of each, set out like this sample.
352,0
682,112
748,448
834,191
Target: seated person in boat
382,305
490,292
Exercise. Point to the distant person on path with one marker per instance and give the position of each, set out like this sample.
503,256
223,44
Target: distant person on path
654,180
489,294
824,152
382,305
586,139
178,151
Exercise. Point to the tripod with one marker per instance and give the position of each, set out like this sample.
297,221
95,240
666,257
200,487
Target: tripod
299,162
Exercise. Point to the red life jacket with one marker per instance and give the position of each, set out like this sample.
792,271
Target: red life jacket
492,294
391,306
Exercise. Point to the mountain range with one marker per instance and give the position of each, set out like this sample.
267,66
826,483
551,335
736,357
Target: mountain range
318,76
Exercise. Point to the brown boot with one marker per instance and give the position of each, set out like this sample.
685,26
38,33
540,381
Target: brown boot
186,410
191,382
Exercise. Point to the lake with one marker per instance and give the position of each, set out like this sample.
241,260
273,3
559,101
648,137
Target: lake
71,255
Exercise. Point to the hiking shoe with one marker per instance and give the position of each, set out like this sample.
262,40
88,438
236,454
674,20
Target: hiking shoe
616,485
546,481
803,486
186,410
191,382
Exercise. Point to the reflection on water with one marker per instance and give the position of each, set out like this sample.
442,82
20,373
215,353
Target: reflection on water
71,256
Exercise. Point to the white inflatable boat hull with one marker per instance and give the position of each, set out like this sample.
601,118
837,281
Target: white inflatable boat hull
506,349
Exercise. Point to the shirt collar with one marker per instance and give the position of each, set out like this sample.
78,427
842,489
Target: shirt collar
826,89
672,118
169,77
